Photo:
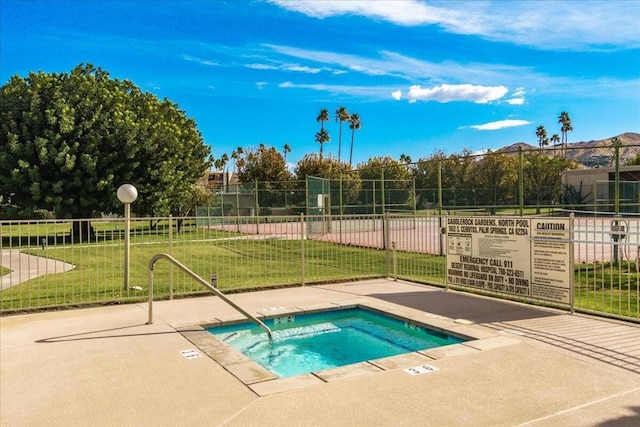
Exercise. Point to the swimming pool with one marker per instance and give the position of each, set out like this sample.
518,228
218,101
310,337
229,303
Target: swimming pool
304,343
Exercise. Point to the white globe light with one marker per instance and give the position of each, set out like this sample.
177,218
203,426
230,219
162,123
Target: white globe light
127,193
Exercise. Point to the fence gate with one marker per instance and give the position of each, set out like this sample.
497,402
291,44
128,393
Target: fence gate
318,206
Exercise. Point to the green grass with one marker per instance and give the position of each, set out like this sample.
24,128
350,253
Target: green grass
239,265
608,288
242,263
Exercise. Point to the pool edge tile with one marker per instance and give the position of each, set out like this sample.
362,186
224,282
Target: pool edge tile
401,361
282,385
348,371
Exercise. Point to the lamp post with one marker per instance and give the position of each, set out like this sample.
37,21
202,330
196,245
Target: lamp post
127,194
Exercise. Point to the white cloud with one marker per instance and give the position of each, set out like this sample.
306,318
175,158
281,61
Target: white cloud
302,69
519,92
411,69
518,97
501,124
463,92
397,95
380,92
286,67
515,101
200,60
592,25
261,85
261,67
402,12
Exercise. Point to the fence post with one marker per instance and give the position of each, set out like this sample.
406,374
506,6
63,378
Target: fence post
571,261
521,180
395,261
341,209
385,242
382,198
237,208
441,249
257,207
170,253
616,193
302,239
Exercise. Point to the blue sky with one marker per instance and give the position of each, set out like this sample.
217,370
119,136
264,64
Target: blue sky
423,76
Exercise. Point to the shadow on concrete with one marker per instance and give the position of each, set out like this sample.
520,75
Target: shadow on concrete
457,306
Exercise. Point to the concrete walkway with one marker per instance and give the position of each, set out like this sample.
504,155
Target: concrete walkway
105,366
25,267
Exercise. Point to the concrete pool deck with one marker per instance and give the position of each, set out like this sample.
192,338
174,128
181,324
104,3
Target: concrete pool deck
105,366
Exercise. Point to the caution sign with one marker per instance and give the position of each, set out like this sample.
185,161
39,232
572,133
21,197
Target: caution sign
514,255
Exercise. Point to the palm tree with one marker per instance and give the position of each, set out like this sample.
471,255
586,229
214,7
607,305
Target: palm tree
354,125
323,117
286,149
541,133
342,115
405,158
322,137
220,163
565,126
235,155
555,139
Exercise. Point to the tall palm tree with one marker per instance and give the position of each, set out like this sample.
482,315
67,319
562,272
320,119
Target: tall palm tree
236,155
322,137
286,149
565,126
323,116
405,158
342,115
220,163
354,125
541,133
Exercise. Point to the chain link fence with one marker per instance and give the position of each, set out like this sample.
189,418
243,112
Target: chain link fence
585,179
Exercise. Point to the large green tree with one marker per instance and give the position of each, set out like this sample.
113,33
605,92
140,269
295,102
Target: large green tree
69,140
543,178
397,183
266,167
333,170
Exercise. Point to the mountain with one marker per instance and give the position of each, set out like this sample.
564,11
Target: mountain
593,154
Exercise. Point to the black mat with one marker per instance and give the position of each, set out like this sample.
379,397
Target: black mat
457,306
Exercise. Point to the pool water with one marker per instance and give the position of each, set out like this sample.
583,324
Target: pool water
314,342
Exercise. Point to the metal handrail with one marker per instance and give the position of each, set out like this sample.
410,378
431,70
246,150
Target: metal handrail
202,282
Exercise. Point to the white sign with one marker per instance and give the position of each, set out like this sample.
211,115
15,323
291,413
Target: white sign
190,354
514,255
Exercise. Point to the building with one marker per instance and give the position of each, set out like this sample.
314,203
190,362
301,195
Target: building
594,189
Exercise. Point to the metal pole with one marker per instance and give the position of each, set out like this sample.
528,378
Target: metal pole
441,251
170,253
237,208
382,197
385,242
521,181
571,261
203,283
341,210
395,261
127,248
616,197
302,238
257,206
